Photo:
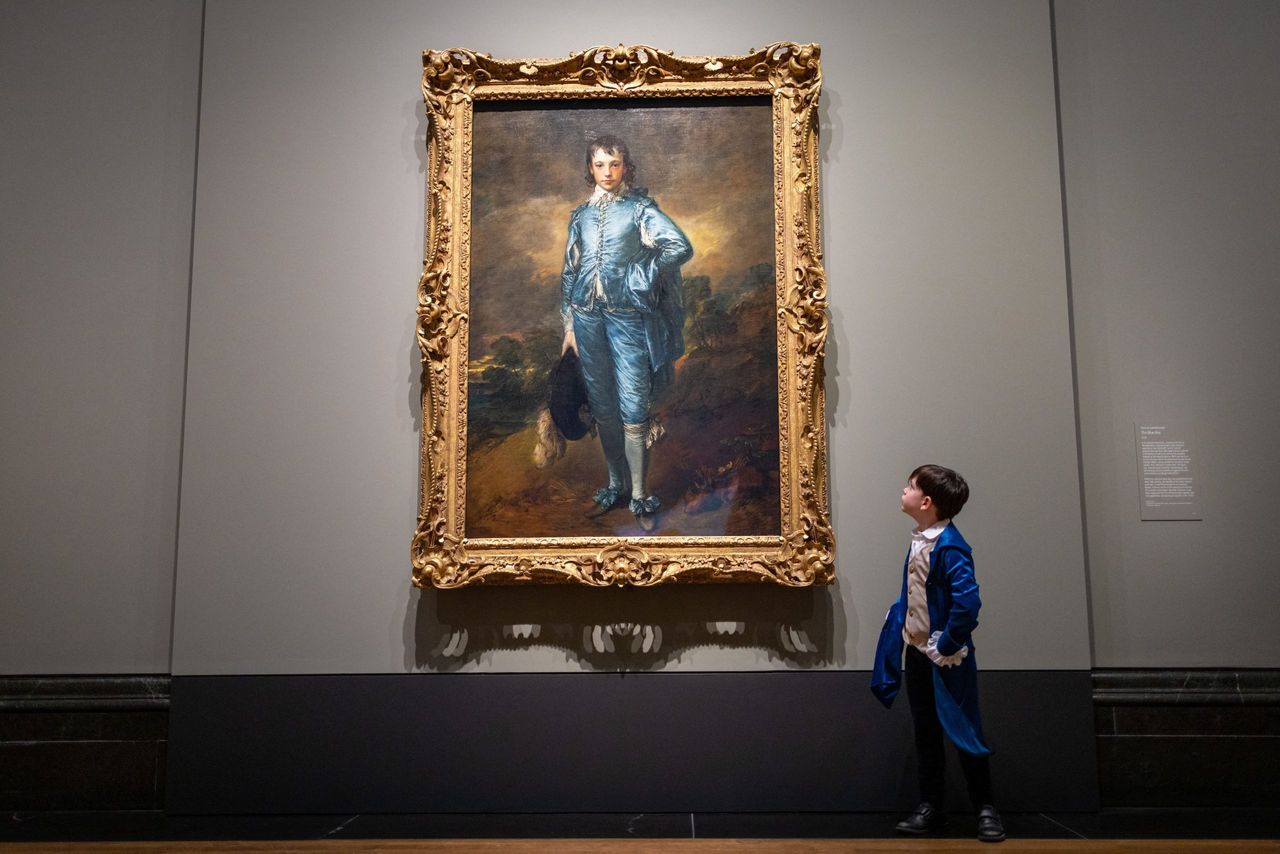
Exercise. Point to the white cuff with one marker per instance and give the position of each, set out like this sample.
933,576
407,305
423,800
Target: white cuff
938,658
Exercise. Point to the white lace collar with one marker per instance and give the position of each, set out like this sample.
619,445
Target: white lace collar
602,197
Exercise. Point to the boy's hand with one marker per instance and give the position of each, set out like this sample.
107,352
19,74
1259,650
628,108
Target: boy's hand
938,658
569,341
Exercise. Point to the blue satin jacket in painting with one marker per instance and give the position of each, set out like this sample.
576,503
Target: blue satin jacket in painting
625,255
951,591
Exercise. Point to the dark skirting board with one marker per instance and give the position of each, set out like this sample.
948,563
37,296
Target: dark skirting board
633,742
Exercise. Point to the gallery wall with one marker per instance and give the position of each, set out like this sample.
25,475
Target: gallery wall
97,147
944,226
950,340
1170,116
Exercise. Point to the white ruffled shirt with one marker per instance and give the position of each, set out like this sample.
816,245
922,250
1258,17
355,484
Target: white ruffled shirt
926,640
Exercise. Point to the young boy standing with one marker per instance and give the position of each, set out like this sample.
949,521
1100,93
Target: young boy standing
623,311
933,618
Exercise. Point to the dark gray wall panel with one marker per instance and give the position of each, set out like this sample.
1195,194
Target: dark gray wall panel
601,742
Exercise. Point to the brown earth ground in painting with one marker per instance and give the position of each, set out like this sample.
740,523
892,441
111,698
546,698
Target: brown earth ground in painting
734,491
741,500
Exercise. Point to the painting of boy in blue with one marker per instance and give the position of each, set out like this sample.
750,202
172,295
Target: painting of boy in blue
622,307
668,296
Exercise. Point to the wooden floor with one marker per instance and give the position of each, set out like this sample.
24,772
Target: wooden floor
660,846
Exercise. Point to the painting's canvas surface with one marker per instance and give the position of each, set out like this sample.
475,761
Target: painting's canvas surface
708,165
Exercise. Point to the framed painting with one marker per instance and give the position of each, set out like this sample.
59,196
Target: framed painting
622,317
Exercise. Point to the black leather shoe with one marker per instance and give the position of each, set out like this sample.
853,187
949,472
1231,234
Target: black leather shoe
924,820
990,827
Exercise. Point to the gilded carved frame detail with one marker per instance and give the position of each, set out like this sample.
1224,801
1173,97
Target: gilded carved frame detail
804,552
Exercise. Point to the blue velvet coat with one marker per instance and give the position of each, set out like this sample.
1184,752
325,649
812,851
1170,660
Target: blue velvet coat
952,594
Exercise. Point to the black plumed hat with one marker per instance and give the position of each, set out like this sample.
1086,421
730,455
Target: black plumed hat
568,395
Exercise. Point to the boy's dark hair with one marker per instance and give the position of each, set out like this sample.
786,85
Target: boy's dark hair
611,145
945,486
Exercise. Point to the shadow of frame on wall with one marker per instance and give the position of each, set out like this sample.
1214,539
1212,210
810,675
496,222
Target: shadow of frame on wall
624,630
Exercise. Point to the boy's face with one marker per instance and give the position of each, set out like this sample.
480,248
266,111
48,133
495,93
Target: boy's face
915,503
607,168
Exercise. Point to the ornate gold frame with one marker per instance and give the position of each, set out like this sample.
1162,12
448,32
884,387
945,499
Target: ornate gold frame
804,552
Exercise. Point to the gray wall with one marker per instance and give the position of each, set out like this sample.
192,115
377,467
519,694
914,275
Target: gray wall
97,152
1170,118
942,204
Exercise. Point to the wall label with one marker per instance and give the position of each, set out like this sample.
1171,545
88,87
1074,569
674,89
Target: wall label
1166,477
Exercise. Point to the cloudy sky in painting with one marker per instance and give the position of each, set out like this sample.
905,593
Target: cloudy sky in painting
708,165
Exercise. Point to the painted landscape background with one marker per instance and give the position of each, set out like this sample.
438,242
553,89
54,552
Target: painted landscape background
710,168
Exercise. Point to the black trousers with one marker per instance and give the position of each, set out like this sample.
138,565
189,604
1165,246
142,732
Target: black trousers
929,740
